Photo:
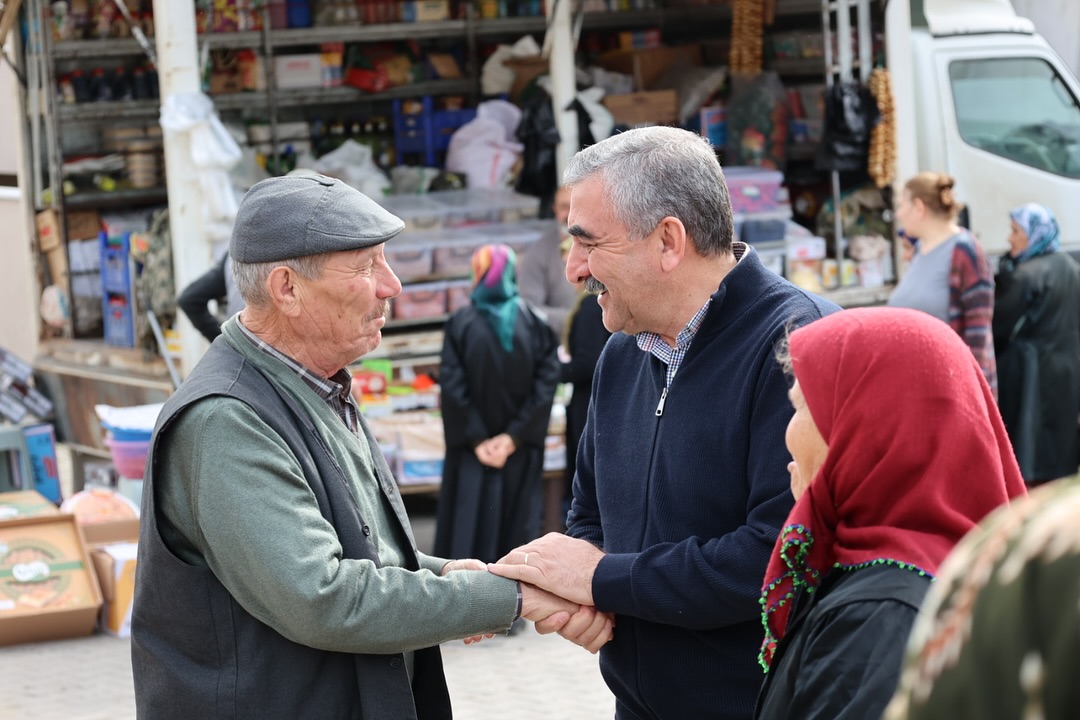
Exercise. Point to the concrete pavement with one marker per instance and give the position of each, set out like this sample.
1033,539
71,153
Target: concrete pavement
525,676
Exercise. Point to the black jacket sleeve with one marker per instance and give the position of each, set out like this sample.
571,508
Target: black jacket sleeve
195,298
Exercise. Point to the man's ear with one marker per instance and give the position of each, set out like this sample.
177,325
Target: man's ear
283,290
673,242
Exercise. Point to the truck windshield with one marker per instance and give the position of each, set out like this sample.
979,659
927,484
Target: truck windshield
1018,108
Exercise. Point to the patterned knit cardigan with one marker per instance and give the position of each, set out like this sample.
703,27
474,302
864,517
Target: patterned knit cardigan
971,302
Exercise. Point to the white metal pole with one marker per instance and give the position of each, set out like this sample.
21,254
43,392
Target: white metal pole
901,64
561,69
178,73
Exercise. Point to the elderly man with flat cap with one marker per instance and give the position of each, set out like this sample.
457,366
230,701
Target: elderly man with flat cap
277,575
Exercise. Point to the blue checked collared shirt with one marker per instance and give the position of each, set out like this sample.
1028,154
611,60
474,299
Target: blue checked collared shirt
673,356
336,391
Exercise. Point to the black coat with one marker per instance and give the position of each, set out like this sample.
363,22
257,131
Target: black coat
585,341
1037,343
485,512
841,656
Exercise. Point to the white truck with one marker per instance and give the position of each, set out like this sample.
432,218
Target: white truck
980,95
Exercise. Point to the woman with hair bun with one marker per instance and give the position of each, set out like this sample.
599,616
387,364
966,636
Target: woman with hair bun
950,276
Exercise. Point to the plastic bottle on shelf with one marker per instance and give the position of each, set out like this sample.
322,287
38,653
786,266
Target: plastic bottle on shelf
140,87
80,85
121,85
100,90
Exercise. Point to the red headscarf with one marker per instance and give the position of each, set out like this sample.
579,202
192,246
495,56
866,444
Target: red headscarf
917,452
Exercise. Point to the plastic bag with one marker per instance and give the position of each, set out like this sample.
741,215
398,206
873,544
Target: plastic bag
354,164
483,149
213,150
496,78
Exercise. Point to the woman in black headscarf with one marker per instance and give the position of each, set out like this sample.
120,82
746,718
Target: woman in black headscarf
498,373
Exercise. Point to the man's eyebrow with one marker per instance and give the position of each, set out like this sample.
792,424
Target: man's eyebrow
579,232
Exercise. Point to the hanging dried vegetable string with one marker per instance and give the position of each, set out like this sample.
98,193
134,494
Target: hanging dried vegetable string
881,165
747,36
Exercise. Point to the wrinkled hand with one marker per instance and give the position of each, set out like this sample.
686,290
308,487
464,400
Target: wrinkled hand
542,606
557,563
467,564
588,627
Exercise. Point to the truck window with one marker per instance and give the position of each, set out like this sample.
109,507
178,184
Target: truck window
1020,109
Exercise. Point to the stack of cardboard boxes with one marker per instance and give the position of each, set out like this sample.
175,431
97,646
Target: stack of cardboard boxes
60,578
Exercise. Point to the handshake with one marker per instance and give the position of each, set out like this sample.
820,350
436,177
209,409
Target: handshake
555,573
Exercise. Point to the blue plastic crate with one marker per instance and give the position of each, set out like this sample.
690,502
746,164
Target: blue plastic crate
119,319
427,132
115,263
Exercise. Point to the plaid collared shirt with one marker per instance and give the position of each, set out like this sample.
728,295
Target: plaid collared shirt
673,356
336,391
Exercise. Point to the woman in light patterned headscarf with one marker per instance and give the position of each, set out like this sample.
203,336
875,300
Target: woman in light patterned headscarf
1037,343
999,633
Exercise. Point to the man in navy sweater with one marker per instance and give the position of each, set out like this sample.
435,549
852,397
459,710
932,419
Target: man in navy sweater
681,484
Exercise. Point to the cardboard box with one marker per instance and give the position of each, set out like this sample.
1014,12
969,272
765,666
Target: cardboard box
48,589
658,107
83,224
648,65
111,532
104,515
115,569
298,71
24,504
49,230
526,69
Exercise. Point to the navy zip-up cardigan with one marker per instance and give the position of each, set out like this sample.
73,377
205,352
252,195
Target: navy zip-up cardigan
688,502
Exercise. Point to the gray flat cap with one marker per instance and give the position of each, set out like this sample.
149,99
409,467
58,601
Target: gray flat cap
300,215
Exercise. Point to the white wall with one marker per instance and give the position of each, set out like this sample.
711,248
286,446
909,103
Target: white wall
1059,22
8,101
18,283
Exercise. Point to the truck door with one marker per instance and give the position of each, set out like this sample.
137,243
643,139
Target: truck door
1011,122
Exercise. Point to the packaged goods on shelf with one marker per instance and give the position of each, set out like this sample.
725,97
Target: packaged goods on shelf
414,446
518,236
425,10
410,255
452,254
298,71
465,208
424,300
458,294
418,212
755,190
771,255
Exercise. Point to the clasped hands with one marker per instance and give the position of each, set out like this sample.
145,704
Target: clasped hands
556,574
494,451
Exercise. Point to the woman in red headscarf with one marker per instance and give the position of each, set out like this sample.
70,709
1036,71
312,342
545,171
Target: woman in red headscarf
898,450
